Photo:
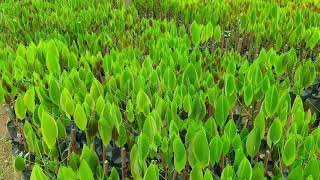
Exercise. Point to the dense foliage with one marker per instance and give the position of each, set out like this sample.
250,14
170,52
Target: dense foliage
163,89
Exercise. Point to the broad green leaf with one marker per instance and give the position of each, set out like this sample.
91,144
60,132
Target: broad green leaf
215,150
152,172
207,31
84,171
222,110
66,173
143,146
100,105
61,129
105,131
66,102
289,152
195,32
130,111
248,94
29,99
190,75
169,79
244,170
37,173
296,173
253,142
230,85
275,132
217,33
227,173
114,174
258,171
52,58
207,175
312,168
198,108
149,127
143,103
196,173
19,108
271,101
230,130
259,123
200,149
80,117
180,156
54,91
19,163
49,130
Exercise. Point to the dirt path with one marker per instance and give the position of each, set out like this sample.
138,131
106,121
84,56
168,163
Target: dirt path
6,158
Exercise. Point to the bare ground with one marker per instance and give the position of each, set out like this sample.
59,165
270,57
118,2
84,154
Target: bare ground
6,158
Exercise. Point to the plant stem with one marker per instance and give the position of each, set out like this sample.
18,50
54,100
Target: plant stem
266,159
185,173
123,163
23,139
175,173
104,162
72,145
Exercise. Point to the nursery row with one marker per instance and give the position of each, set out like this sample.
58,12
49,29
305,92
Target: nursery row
162,89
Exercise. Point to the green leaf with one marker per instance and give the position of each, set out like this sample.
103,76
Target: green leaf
84,171
49,130
19,108
244,170
200,149
289,152
29,99
217,33
216,145
19,163
61,130
114,174
54,91
130,111
100,105
152,172
208,31
259,123
253,142
190,75
37,173
207,175
198,108
66,173
258,171
222,110
230,130
80,117
296,173
227,173
149,127
66,102
180,156
275,132
105,131
52,58
143,103
143,146
230,85
271,101
169,79
248,94
196,173
195,30
312,168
